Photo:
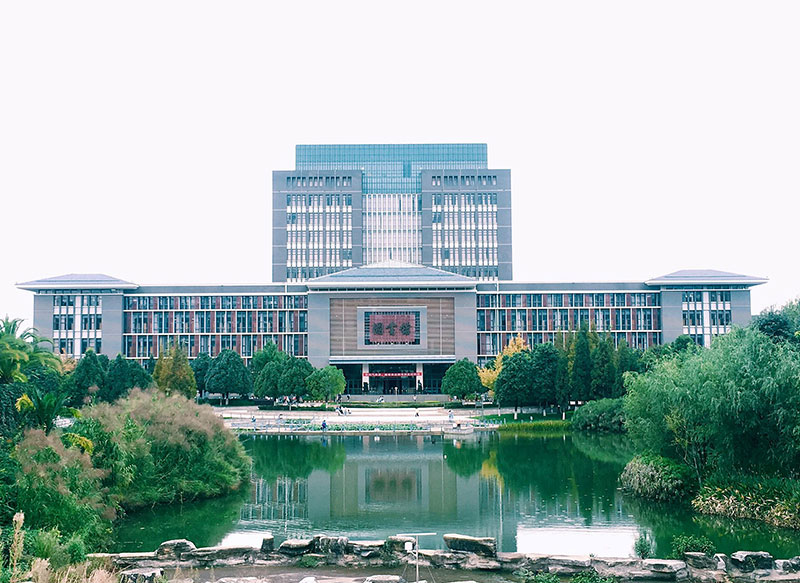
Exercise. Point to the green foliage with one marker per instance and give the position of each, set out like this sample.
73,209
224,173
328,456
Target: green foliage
200,366
604,370
528,576
580,370
627,360
294,457
734,406
689,543
545,371
173,375
292,379
41,409
464,459
57,487
155,448
779,327
267,371
270,353
606,415
122,376
775,501
325,383
10,417
228,374
591,576
21,350
59,550
643,547
86,379
656,478
461,379
514,383
308,562
556,426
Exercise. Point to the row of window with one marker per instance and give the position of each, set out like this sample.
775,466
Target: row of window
70,300
215,302
567,300
201,322
489,345
713,296
318,200
452,180
317,220
246,345
318,181
88,322
716,318
566,319
462,199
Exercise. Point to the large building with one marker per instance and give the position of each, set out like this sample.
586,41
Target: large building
390,262
346,206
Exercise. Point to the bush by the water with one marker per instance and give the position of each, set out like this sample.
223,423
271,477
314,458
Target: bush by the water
775,501
689,543
656,478
602,415
544,426
158,449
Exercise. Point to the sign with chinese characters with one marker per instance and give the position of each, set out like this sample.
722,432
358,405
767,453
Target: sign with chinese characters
391,327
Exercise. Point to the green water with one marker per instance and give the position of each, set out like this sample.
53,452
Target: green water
554,495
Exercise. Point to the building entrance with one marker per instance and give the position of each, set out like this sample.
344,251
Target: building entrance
393,379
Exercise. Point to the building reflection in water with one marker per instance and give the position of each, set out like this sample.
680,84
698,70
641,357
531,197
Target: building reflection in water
531,495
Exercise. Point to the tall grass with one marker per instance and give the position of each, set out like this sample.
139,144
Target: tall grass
544,426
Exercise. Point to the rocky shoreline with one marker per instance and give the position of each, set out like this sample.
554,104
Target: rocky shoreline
462,553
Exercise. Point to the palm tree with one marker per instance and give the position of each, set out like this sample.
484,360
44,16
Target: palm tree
44,408
21,349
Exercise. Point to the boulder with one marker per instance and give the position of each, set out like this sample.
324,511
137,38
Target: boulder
723,562
206,556
568,565
536,563
671,570
366,549
308,580
384,579
486,546
788,565
331,545
173,549
512,561
698,560
482,563
135,560
296,546
613,567
748,561
267,543
443,559
140,575
397,543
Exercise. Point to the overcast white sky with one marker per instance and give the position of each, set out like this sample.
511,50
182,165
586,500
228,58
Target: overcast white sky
137,139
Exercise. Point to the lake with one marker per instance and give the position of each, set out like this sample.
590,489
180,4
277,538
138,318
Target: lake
553,494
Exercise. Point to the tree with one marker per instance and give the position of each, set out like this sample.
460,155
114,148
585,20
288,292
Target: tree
580,369
122,376
21,350
87,378
43,408
228,374
489,373
266,381
604,372
270,353
150,366
461,379
200,366
545,372
776,325
628,360
682,343
173,375
325,383
293,377
514,383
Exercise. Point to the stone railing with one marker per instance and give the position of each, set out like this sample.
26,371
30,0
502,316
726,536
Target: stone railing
463,552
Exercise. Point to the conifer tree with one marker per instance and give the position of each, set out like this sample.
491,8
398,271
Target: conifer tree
581,366
173,375
604,372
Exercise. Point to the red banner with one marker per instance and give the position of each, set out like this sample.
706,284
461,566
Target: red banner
392,374
392,328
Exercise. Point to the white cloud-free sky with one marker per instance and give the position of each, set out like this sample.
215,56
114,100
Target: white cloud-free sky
137,139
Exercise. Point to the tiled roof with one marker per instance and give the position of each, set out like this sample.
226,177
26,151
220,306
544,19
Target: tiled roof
391,273
78,280
700,276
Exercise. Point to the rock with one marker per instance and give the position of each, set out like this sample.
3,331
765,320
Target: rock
134,560
566,565
296,546
700,560
206,556
366,549
512,561
443,559
613,567
384,579
267,543
788,565
723,562
397,543
481,563
332,545
173,549
308,580
140,575
486,546
536,563
663,565
748,561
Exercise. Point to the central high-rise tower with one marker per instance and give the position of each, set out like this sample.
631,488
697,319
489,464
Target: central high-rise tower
431,204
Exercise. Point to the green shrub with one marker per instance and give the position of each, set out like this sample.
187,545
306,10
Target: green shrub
656,478
159,449
688,543
643,547
58,550
543,426
775,501
527,576
308,562
591,576
606,415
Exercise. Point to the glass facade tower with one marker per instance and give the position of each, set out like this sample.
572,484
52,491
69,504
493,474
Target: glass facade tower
430,204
